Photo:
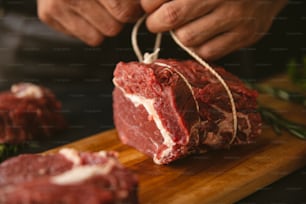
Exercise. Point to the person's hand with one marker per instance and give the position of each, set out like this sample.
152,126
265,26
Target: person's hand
89,20
213,28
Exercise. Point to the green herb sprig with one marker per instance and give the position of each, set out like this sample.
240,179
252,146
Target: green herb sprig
279,123
274,119
282,94
296,70
8,150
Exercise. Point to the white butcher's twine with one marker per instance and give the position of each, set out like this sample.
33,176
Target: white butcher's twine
149,58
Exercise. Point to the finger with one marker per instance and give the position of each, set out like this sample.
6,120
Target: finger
79,27
149,6
49,20
220,46
174,14
201,30
123,10
98,17
58,27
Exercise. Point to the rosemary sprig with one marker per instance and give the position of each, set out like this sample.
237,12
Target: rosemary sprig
282,94
279,123
274,119
296,70
8,150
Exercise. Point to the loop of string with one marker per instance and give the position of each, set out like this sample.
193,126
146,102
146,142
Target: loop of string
149,58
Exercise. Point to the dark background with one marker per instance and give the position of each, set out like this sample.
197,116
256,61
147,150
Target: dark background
81,76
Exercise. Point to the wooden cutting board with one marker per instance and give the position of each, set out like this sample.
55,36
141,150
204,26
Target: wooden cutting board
215,177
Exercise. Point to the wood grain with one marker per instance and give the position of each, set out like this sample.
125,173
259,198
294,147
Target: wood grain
218,176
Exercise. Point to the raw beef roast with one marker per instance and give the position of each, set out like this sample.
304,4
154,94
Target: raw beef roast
67,177
170,109
29,111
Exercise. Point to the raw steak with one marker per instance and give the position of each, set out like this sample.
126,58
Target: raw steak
170,109
67,177
29,111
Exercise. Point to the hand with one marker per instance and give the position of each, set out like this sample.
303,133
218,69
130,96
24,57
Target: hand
89,20
213,28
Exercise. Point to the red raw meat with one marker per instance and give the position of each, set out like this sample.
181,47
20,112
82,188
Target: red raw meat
29,111
68,177
170,109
